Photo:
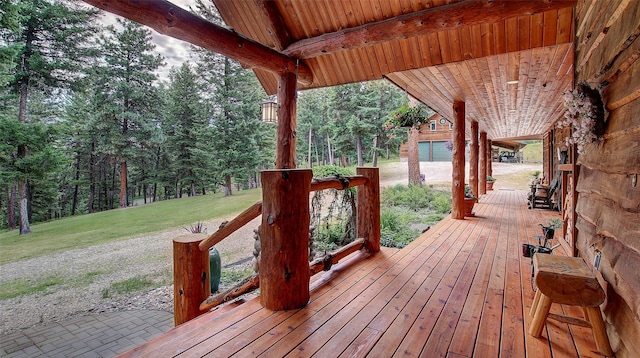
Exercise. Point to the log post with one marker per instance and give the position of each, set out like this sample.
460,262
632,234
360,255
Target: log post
413,158
457,184
191,283
482,185
473,159
284,239
489,158
369,209
286,144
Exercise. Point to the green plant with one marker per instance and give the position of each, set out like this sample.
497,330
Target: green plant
134,284
554,224
198,228
536,174
407,116
468,193
490,178
21,287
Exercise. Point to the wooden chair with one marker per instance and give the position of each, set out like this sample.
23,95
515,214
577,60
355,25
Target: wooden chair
568,281
541,198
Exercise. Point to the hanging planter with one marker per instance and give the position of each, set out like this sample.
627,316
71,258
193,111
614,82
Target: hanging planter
406,117
584,115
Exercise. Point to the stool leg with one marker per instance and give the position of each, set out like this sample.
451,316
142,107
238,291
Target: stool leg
534,305
540,316
599,331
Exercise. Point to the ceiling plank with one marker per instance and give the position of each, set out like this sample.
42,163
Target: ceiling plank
464,13
171,20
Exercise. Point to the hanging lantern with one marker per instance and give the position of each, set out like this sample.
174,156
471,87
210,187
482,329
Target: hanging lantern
269,111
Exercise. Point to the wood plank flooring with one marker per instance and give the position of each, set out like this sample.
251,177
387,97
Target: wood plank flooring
461,290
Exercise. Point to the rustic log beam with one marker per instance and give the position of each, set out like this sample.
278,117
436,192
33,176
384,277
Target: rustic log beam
473,158
337,183
284,239
368,225
457,183
287,112
243,287
275,23
489,157
239,221
482,185
191,273
448,17
325,263
171,20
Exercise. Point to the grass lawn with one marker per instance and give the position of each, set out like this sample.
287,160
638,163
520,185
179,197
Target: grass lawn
114,225
532,152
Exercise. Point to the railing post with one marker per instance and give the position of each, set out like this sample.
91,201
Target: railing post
284,239
369,209
191,274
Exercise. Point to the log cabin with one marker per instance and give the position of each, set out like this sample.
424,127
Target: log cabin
498,69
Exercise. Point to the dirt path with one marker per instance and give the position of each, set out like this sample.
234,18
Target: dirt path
81,276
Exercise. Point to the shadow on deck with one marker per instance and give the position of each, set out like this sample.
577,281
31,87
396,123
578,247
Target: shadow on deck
461,290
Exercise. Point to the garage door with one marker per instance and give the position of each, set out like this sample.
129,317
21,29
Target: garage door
423,151
440,152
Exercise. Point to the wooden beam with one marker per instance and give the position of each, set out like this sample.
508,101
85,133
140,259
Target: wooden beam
284,239
286,146
275,23
457,183
449,17
482,183
171,20
473,159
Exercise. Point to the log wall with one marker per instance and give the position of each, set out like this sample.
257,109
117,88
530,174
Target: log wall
608,204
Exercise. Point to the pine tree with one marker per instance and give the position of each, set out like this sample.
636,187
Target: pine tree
185,125
126,95
52,46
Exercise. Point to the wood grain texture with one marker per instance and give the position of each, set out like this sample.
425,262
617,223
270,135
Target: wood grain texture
458,161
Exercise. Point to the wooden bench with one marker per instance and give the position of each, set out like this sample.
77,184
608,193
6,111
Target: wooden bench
568,281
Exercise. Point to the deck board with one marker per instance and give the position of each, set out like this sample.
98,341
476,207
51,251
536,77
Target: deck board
461,289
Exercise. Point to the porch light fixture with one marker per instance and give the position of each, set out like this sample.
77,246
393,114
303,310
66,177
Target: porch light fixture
269,111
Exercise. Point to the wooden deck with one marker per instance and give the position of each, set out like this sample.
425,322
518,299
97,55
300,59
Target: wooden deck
461,290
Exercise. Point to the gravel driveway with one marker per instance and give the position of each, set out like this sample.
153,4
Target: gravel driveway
85,274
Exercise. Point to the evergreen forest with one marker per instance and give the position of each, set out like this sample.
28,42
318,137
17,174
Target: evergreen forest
87,124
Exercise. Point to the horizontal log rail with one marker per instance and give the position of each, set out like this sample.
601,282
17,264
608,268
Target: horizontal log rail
325,263
229,228
253,282
245,286
340,183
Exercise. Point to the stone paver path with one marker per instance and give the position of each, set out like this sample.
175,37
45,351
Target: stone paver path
103,335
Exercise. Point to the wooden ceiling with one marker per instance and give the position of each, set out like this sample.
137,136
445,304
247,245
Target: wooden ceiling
470,50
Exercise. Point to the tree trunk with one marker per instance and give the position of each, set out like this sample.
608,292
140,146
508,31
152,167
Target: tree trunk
309,148
359,151
376,139
414,159
123,184
92,186
11,209
24,206
193,188
227,185
329,151
74,202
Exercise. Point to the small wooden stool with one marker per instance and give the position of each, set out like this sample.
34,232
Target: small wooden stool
568,281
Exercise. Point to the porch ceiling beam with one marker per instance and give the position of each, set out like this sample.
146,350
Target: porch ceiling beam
464,13
171,20
275,23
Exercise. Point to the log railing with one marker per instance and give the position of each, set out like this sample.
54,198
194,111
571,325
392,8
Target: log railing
285,269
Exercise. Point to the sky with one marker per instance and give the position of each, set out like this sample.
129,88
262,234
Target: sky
174,51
